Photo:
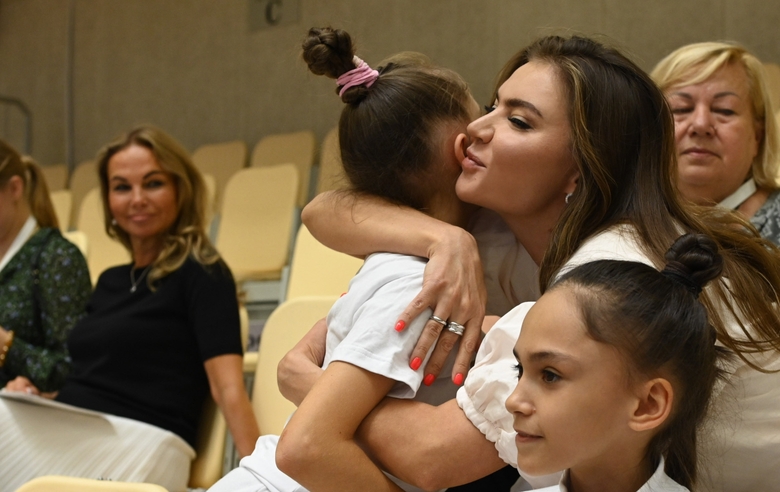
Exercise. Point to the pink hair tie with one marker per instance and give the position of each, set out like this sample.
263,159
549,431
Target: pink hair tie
361,75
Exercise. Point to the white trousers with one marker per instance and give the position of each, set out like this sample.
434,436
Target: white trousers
43,437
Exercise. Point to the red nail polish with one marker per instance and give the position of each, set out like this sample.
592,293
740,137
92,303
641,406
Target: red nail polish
458,379
400,325
428,379
415,364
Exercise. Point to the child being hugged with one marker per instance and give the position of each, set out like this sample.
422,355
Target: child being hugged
397,135
616,365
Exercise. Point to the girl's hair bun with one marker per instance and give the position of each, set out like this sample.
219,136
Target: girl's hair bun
330,52
693,260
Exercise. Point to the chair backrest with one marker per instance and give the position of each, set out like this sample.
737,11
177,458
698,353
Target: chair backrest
62,201
772,72
83,179
255,227
104,252
331,172
211,197
206,468
80,240
283,329
56,176
54,483
316,270
221,160
299,148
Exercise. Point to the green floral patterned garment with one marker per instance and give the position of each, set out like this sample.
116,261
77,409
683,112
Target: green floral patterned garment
39,351
767,219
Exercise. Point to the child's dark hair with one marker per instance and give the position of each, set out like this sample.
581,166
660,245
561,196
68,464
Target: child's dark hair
387,131
656,321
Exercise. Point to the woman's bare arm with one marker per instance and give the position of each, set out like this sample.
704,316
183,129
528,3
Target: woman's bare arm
226,380
317,447
430,447
453,285
427,446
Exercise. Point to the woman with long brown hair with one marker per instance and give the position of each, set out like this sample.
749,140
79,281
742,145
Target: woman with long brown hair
577,156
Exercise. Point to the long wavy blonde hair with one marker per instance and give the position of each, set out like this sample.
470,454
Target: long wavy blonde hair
187,235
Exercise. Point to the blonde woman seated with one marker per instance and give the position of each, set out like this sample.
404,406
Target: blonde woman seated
161,333
725,130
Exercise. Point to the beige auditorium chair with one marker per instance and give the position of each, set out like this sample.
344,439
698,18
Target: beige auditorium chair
256,226
83,179
221,160
71,484
104,252
316,270
208,466
299,148
56,176
211,197
284,328
331,172
62,202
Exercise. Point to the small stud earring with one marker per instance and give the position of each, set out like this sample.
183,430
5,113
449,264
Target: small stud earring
568,198
113,221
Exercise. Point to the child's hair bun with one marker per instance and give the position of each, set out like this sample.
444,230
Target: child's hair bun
330,52
693,260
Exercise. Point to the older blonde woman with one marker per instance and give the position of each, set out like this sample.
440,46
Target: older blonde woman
161,334
725,130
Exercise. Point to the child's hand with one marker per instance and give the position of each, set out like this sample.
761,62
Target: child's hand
300,368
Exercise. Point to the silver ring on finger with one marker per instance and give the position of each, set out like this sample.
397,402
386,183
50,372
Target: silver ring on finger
456,328
438,320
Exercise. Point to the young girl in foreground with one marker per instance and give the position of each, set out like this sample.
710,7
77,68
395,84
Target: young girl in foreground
397,134
616,364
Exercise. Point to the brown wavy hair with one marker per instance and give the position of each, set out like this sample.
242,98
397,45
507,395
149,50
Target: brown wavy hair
36,192
187,235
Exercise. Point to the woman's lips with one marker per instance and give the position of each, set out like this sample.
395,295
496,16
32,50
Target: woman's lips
471,162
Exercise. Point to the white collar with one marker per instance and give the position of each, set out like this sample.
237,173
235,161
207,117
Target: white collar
22,236
659,482
736,199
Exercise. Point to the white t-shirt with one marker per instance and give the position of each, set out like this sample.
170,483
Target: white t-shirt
511,276
740,445
658,482
360,327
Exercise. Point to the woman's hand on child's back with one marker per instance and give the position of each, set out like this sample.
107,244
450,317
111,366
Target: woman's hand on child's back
454,288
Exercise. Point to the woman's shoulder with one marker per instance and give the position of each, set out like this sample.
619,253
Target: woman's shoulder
52,248
618,242
52,240
767,218
194,272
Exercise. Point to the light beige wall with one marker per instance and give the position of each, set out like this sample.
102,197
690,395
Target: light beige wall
193,68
